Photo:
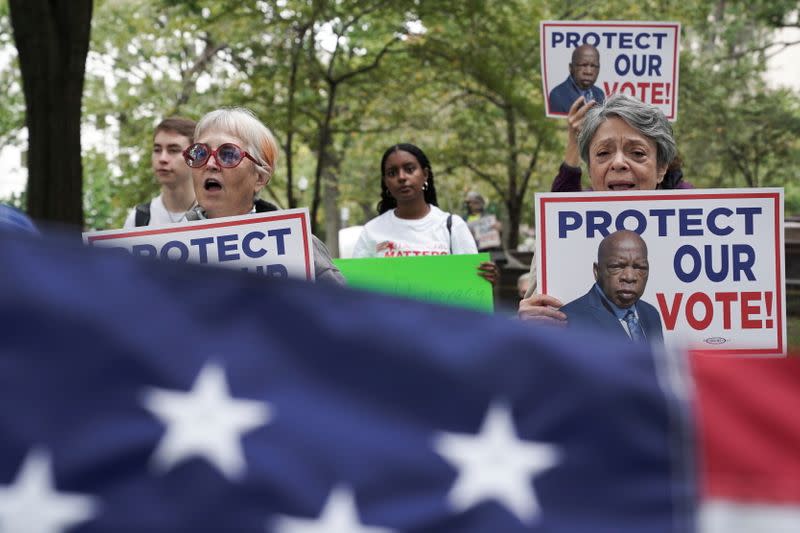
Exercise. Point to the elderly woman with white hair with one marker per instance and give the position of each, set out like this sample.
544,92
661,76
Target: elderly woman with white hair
232,159
627,145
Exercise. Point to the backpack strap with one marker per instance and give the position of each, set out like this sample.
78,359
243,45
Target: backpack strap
143,214
450,230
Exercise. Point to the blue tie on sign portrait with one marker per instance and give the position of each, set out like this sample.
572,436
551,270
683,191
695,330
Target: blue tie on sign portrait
634,328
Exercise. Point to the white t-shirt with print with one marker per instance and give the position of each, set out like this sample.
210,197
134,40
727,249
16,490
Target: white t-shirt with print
389,236
159,215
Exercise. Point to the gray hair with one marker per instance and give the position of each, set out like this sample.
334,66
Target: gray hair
475,195
648,119
242,123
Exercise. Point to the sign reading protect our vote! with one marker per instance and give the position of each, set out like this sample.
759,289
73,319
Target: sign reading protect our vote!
274,244
716,259
636,58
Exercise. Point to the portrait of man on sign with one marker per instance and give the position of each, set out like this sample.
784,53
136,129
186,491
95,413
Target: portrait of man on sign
614,302
583,71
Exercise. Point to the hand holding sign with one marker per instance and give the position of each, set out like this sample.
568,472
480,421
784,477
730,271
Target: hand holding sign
542,308
575,118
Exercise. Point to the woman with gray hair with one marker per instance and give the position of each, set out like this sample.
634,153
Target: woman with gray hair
627,145
232,159
583,121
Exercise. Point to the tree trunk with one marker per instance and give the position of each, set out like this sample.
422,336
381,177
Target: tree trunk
297,47
511,235
332,217
323,156
514,218
52,38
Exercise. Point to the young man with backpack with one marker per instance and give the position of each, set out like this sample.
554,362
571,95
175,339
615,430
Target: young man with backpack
172,136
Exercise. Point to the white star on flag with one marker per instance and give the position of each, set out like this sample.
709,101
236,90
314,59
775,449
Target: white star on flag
32,505
339,515
205,422
495,464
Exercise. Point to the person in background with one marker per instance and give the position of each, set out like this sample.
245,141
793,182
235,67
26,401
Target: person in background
409,221
474,204
232,159
583,71
627,145
484,226
171,137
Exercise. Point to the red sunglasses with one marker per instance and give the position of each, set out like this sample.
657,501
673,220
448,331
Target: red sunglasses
227,155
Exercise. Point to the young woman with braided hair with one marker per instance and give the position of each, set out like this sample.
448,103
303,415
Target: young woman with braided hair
409,222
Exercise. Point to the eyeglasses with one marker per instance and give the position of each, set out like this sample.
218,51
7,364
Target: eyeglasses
227,155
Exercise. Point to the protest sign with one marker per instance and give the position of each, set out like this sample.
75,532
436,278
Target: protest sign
447,279
485,231
716,259
636,58
274,244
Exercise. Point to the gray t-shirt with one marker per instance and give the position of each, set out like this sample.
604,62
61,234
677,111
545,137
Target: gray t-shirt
324,269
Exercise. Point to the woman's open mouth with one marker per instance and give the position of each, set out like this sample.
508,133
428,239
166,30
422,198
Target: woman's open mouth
621,186
211,184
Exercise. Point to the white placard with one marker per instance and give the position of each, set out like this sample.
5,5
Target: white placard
717,274
639,59
275,243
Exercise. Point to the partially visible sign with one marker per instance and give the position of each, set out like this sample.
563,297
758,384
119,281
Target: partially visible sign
275,244
447,279
639,59
484,229
716,259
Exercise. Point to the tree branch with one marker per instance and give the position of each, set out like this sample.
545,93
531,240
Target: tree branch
736,156
268,188
366,68
529,171
485,95
486,177
782,44
353,21
189,76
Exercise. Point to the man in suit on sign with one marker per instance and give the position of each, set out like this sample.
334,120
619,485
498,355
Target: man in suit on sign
613,303
583,71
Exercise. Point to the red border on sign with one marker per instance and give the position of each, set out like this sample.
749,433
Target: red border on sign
251,220
780,349
675,58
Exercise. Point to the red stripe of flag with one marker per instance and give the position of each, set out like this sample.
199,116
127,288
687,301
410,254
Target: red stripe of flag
748,413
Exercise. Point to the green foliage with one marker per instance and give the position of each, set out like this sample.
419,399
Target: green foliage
733,131
12,112
773,13
100,203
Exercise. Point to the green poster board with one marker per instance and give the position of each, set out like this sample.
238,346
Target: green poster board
447,279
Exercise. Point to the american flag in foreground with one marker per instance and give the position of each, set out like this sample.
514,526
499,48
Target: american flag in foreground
140,396
747,410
